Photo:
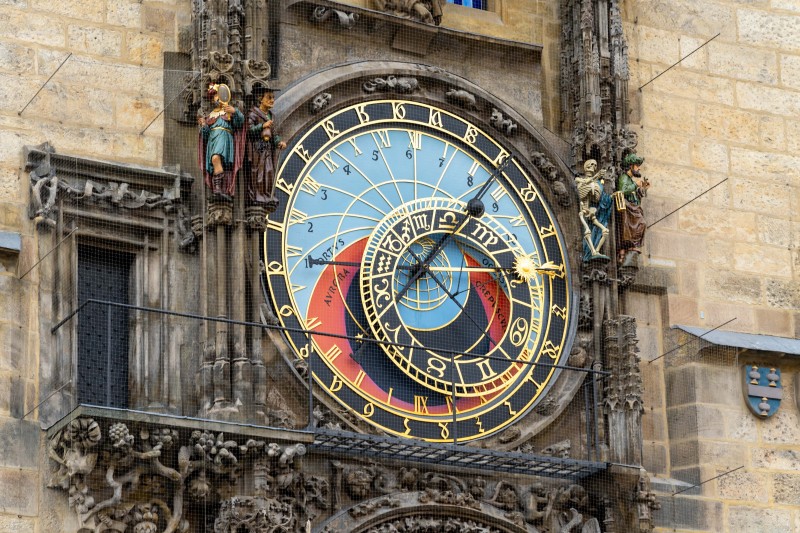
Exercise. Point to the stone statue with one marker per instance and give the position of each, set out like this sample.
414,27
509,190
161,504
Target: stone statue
631,188
595,209
427,11
262,147
221,143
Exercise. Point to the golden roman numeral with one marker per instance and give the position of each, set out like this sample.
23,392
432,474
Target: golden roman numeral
281,184
303,153
415,140
511,411
498,193
421,404
486,369
293,251
549,231
474,168
352,141
361,112
559,311
332,353
359,378
297,217
383,136
330,164
518,221
313,322
310,186
398,111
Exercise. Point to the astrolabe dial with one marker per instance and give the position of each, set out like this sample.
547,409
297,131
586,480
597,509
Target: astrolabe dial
418,271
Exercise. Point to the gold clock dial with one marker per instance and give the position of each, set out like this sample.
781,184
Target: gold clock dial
395,245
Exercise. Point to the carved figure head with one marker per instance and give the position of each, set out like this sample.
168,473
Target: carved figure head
590,167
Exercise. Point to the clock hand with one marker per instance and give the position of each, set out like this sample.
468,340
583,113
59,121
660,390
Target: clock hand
452,297
475,208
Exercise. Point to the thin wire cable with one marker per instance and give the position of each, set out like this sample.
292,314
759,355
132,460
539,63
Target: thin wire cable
706,481
170,102
691,341
687,203
678,62
67,236
45,83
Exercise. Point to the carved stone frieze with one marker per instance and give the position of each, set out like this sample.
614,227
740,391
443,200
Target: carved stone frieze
461,98
219,213
502,123
345,20
427,11
319,102
393,84
550,173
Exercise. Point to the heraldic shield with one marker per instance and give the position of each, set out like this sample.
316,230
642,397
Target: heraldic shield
763,390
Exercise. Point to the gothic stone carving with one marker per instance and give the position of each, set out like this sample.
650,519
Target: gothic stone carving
501,123
401,85
346,20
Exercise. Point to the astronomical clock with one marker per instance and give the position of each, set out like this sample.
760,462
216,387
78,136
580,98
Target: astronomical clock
416,267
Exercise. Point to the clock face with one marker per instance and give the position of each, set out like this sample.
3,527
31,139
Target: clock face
427,290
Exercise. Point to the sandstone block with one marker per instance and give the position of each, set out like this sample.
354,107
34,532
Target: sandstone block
720,312
695,421
776,167
682,310
689,513
665,146
764,260
144,49
742,62
743,485
783,427
786,5
654,425
12,339
668,113
16,59
784,294
758,519
88,10
698,86
654,458
42,29
790,71
753,195
123,13
775,322
699,56
727,124
689,18
772,133
16,524
710,155
20,489
769,29
786,488
158,20
776,459
19,440
731,226
741,425
689,279
677,246
96,41
775,100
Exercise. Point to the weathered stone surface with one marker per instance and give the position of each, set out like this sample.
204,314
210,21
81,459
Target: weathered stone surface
786,488
777,169
654,458
20,489
12,339
97,41
16,524
774,30
693,421
736,61
19,439
727,124
699,55
697,86
764,260
783,427
682,310
669,245
783,294
710,155
158,20
749,194
664,112
688,513
776,459
144,49
43,29
743,485
734,226
772,132
768,99
759,519
740,424
775,322
16,59
687,17
125,14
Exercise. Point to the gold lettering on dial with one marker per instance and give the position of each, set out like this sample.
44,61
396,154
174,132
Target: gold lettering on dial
437,366
369,410
444,432
363,116
352,141
330,129
415,140
421,404
336,384
398,110
310,186
383,137
471,134
486,369
330,164
435,118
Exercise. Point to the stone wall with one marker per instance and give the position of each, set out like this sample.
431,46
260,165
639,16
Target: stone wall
96,105
727,112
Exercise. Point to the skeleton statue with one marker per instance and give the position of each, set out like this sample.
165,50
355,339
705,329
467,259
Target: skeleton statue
595,209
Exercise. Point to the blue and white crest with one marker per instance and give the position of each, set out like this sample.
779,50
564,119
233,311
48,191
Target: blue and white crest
763,389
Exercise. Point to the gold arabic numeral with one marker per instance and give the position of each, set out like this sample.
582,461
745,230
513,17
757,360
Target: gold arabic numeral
297,217
406,426
518,221
435,118
383,138
275,267
444,156
421,405
313,322
485,235
356,150
486,369
551,350
444,432
471,135
361,112
528,193
436,365
479,424
359,378
330,164
330,129
293,251
303,153
398,110
560,312
549,231
415,140
310,186
332,353
502,156
369,409
511,410
519,332
336,384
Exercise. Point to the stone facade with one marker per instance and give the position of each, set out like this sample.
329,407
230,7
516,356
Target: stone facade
723,116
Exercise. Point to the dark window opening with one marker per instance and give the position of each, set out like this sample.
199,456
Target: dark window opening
103,330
